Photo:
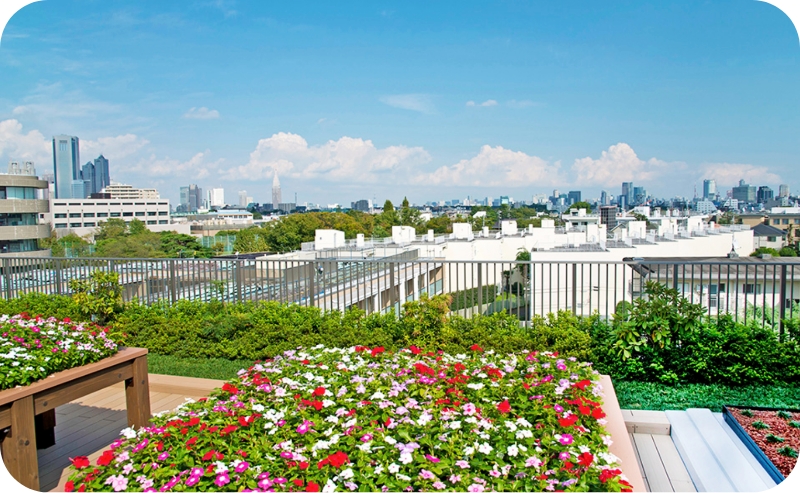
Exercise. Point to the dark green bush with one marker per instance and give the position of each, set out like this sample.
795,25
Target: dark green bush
44,305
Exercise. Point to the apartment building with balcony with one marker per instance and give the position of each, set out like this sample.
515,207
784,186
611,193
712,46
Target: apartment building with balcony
20,209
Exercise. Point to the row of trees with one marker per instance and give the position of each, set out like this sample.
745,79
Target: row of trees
116,238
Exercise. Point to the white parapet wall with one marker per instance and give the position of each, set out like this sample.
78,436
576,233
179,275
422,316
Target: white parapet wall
328,238
403,235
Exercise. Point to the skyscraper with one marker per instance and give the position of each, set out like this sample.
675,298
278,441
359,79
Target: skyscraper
276,191
603,198
191,198
764,194
627,192
783,191
66,167
243,202
574,196
639,195
102,179
709,189
216,197
88,176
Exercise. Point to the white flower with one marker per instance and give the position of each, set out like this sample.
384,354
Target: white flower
346,474
403,477
485,448
365,447
469,450
257,408
332,419
513,450
475,386
393,468
455,425
329,487
523,434
511,426
328,403
221,467
389,440
406,458
128,433
377,396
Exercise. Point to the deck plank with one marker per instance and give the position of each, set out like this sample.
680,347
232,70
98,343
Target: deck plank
650,460
673,464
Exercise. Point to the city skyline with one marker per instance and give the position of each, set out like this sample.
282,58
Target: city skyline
710,85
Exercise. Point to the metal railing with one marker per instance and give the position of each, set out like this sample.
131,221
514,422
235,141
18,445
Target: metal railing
766,290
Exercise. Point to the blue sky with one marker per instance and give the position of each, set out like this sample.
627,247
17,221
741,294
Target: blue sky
433,100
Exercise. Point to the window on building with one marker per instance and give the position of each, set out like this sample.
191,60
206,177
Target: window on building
797,233
162,221
60,203
127,203
62,145
139,213
750,288
88,214
74,214
61,225
797,221
785,221
772,238
162,213
115,214
102,214
101,203
88,225
151,213
74,225
76,203
127,214
139,203
152,222
60,215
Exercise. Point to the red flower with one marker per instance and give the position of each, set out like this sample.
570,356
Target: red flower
568,421
303,465
582,384
312,486
607,474
568,465
584,410
585,459
361,348
338,459
106,458
194,421
209,455
318,391
69,486
80,462
82,488
160,446
230,388
598,413
376,351
424,369
228,430
475,347
190,442
504,407
415,350
297,482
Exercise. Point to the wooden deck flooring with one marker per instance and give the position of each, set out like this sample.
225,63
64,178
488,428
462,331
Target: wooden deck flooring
87,426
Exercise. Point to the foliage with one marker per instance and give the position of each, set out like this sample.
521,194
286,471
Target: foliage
765,251
788,452
787,251
581,205
467,298
37,347
215,368
361,418
58,246
99,296
117,239
660,397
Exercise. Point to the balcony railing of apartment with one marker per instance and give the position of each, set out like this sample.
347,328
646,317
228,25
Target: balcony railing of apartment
765,290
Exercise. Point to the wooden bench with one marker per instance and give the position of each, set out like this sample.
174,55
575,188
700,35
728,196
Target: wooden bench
20,406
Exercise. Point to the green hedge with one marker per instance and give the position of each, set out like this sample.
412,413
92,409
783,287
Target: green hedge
660,339
467,298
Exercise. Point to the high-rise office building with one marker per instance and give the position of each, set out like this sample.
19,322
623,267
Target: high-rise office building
364,205
783,191
216,197
244,199
709,189
66,166
627,192
603,198
276,191
608,216
88,176
744,192
764,194
191,198
574,196
102,179
639,195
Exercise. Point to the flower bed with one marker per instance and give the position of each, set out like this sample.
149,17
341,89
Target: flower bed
32,348
775,432
366,419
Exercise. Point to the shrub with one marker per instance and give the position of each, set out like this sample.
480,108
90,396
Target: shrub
99,297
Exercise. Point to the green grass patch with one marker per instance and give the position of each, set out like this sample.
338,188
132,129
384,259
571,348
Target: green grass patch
660,397
216,368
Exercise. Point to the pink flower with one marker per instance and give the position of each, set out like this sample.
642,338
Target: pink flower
533,462
462,464
305,427
469,409
119,483
192,480
222,480
439,485
431,458
425,474
163,456
241,467
286,454
565,439
494,473
366,438
475,488
455,478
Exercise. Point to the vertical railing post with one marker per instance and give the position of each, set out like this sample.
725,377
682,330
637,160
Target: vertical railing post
173,293
57,268
7,279
480,288
574,289
311,287
237,279
783,299
675,277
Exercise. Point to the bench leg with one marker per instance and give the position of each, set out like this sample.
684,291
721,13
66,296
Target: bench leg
19,445
46,429
137,394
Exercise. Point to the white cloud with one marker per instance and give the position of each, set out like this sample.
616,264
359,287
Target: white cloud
495,166
726,174
197,167
113,148
413,102
201,113
619,163
487,103
15,144
347,159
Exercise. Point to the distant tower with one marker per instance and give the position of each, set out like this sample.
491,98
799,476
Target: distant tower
66,167
276,191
